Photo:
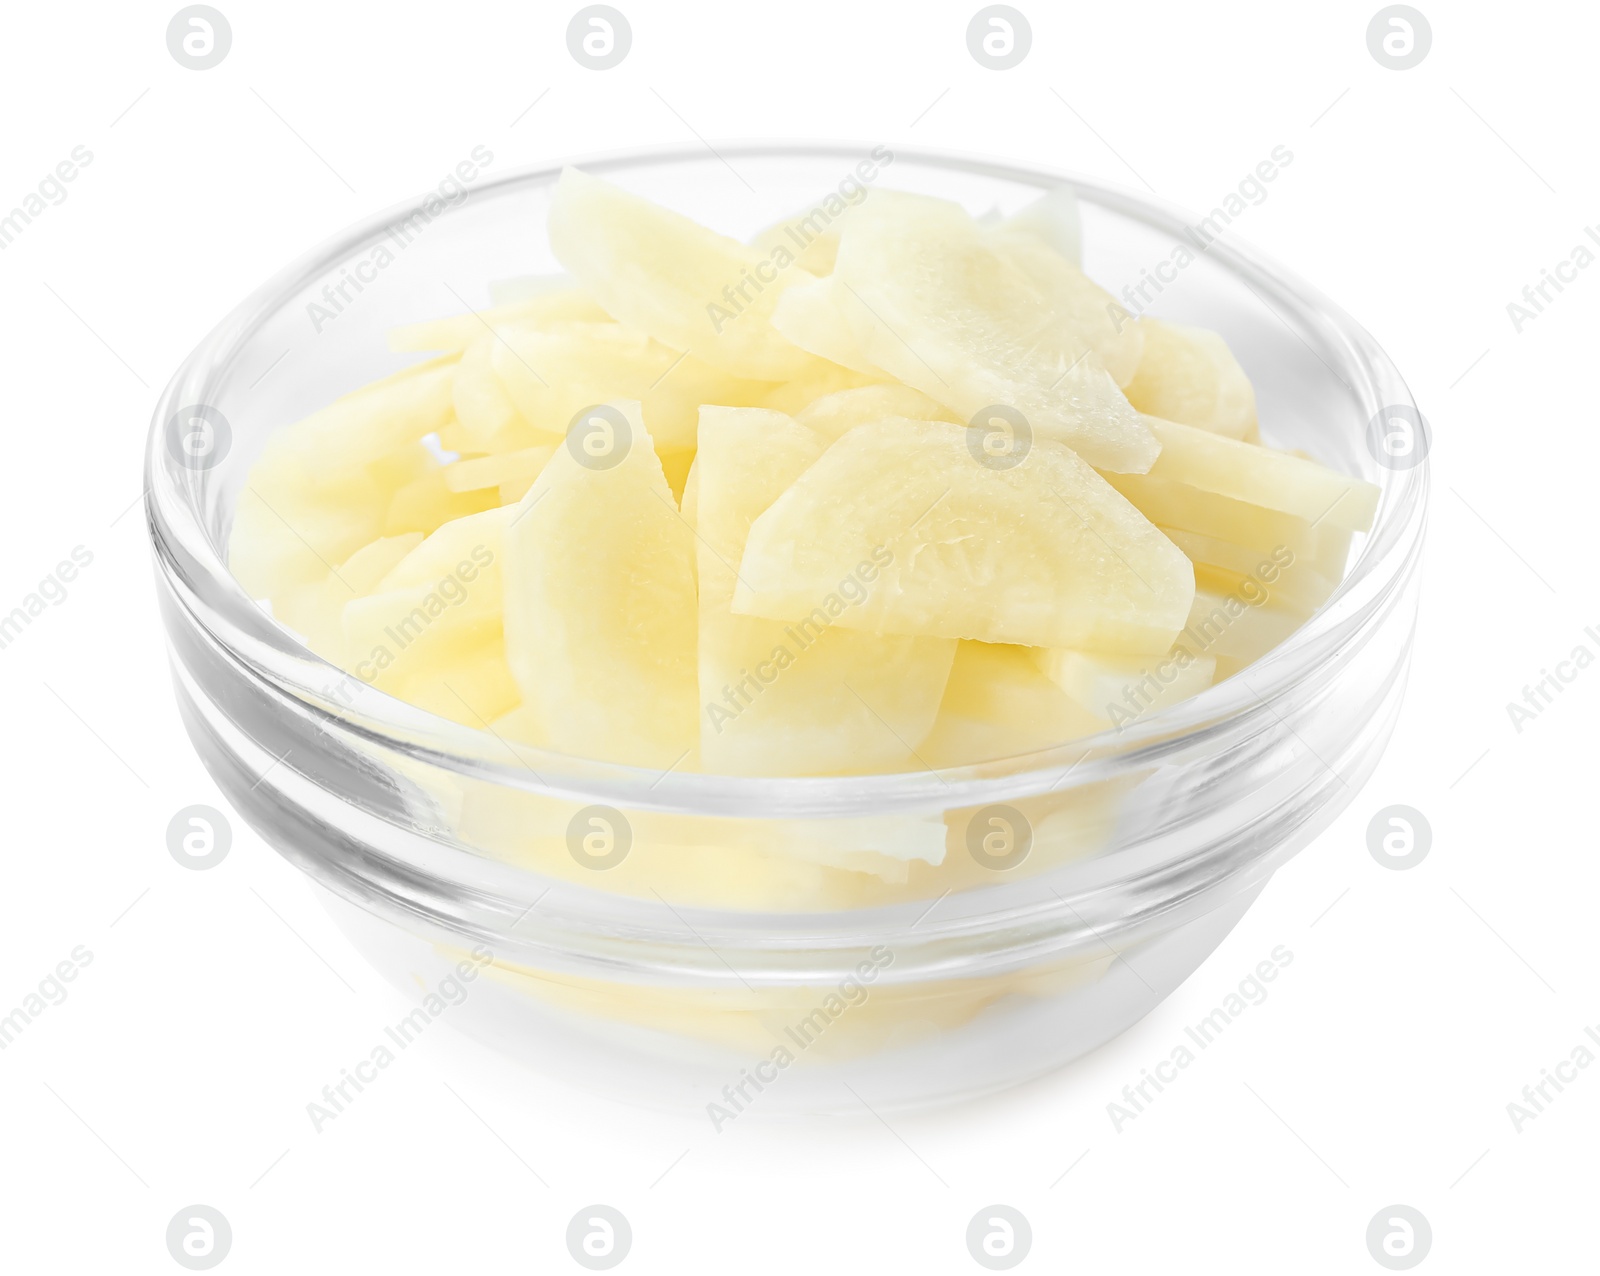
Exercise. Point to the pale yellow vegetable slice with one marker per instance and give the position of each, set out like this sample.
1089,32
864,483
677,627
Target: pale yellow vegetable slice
998,704
398,639
483,408
688,287
1001,683
521,726
1299,595
819,380
1261,476
480,472
811,314
837,414
792,699
452,438
316,611
280,544
321,452
1075,308
1120,689
313,613
975,319
1332,554
404,465
1172,504
317,493
600,605
515,489
456,332
1325,548
444,595
454,549
1288,581
1053,219
1189,375
1239,626
552,375
430,633
809,238
469,682
429,502
365,570
1043,553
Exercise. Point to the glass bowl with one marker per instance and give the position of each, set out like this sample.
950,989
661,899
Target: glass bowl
753,948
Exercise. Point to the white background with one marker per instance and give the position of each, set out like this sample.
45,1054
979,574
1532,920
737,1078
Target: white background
218,1003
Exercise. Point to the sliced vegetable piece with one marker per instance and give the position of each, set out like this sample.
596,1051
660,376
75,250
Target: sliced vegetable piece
600,603
1189,375
820,379
455,333
998,704
493,471
975,319
836,414
811,314
901,528
553,374
809,698
1119,689
313,496
664,274
1236,626
1261,476
1053,219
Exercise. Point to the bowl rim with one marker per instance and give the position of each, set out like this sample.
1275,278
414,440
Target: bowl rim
195,566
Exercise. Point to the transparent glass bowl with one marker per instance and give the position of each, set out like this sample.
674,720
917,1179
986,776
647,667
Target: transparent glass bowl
738,958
